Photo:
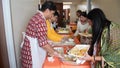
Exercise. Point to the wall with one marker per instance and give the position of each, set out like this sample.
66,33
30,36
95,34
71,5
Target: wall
22,11
74,7
4,62
73,10
110,7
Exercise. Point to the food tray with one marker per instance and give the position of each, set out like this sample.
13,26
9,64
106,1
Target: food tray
79,50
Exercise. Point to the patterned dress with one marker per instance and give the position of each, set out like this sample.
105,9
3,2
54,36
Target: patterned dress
110,49
36,29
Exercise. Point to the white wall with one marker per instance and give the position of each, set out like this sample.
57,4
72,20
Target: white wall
73,10
74,7
110,7
22,11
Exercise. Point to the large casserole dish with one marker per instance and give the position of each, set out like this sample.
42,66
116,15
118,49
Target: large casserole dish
79,50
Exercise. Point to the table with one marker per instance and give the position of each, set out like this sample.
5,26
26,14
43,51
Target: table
59,64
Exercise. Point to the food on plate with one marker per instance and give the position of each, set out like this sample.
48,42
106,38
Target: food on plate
82,52
79,50
86,34
63,30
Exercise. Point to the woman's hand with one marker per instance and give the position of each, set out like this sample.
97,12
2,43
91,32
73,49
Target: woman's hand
92,58
87,58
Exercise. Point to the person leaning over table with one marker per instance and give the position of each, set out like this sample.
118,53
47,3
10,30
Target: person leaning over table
105,46
51,33
35,44
82,25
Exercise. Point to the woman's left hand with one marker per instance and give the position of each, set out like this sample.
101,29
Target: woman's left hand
87,57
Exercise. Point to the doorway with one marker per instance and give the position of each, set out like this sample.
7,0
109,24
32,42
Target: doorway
4,62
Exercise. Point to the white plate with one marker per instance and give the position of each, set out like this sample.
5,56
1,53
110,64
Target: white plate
86,35
79,50
70,39
63,30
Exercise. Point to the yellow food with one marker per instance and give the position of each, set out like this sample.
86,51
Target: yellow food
82,52
51,34
78,52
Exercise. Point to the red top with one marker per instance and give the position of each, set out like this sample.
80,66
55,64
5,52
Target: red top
37,29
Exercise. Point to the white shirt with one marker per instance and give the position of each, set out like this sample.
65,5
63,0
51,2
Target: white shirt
81,27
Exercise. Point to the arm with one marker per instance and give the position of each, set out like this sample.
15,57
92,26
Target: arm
96,58
49,49
77,30
42,39
51,34
92,58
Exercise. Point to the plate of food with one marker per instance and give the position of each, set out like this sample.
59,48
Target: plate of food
63,30
79,50
85,34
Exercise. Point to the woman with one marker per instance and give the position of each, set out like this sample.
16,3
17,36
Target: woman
82,24
51,33
105,44
35,44
82,27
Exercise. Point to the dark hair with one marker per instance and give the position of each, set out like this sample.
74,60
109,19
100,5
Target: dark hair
83,14
56,14
48,5
99,21
78,11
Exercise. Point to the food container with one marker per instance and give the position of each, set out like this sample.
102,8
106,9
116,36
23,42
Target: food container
73,55
79,50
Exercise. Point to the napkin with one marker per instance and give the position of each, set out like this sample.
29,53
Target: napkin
50,59
78,61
